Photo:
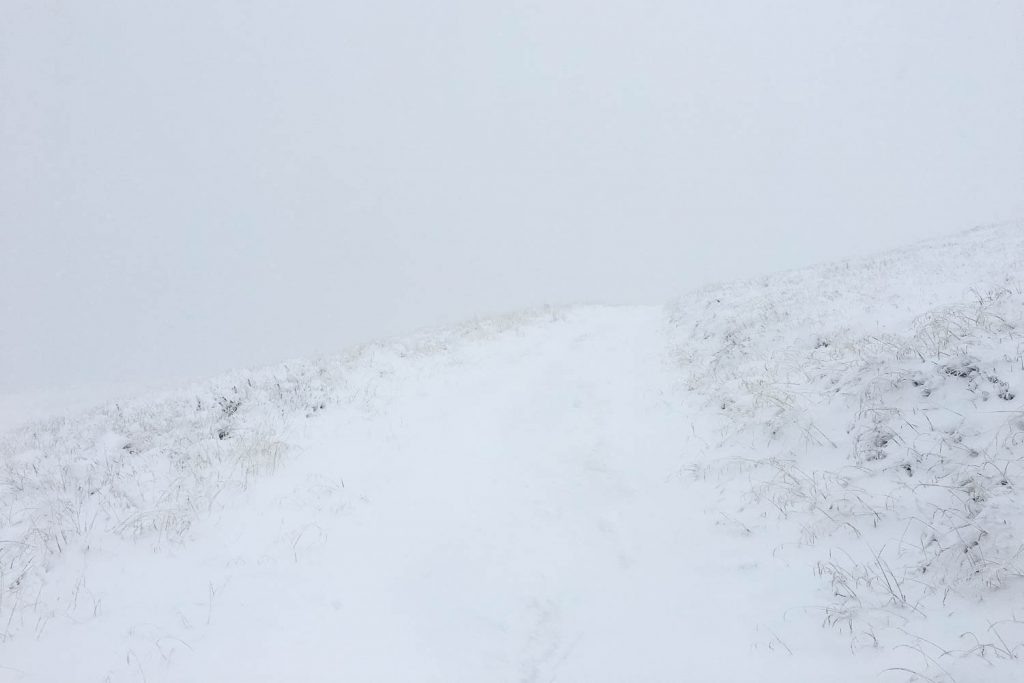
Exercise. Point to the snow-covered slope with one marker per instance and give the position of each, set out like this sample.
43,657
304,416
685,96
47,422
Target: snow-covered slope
868,415
813,476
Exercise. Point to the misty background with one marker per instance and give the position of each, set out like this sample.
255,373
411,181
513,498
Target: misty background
195,186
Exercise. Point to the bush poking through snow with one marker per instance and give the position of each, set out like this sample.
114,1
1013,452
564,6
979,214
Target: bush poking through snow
894,447
148,469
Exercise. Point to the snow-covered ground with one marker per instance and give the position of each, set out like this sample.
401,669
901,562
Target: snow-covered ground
813,476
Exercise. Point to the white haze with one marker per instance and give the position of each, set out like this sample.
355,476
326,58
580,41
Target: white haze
193,186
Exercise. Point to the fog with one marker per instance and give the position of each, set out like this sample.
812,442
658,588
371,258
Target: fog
195,186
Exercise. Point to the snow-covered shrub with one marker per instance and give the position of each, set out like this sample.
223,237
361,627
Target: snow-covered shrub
146,469
875,408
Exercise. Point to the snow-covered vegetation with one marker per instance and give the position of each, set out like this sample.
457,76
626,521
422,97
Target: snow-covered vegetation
811,476
871,409
147,468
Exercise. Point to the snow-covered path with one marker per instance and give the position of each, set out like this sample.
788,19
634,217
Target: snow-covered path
812,476
515,510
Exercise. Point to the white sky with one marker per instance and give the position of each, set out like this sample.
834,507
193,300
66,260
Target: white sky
192,186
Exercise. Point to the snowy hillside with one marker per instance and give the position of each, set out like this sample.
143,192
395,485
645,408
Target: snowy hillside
808,477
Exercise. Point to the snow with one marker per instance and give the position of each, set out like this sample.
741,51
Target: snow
810,476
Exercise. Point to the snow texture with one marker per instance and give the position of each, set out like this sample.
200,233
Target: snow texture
811,476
